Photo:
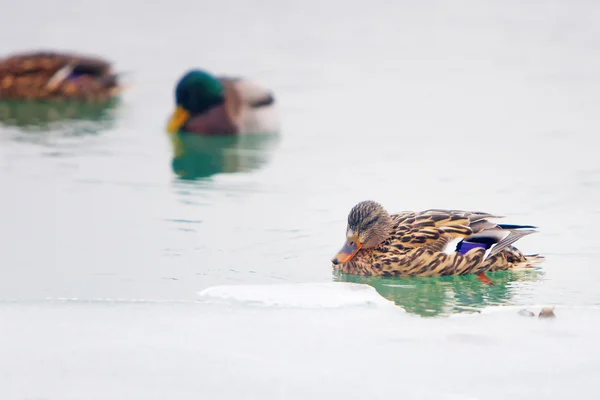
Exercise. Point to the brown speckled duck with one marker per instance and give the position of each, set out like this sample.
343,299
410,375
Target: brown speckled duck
210,105
56,76
429,243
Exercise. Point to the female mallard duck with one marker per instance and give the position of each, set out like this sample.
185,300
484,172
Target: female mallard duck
222,106
429,243
56,76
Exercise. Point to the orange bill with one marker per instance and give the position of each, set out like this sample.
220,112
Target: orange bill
178,119
351,247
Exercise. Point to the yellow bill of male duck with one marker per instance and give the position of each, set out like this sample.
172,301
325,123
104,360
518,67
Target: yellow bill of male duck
433,242
209,105
55,76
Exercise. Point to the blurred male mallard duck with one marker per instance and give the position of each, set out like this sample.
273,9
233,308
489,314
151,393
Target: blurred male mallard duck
212,105
56,76
429,243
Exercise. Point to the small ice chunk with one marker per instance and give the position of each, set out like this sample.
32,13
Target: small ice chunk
301,295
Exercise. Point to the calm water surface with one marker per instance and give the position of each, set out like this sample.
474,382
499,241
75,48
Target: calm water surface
487,106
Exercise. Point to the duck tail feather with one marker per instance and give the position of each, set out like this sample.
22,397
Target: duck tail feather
511,238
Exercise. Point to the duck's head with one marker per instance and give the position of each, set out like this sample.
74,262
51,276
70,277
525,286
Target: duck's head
369,224
196,92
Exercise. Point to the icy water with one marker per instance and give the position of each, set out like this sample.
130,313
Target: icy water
138,265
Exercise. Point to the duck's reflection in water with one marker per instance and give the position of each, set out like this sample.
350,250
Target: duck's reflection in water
196,156
434,296
65,117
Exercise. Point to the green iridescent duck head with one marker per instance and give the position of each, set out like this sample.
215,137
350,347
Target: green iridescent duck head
196,92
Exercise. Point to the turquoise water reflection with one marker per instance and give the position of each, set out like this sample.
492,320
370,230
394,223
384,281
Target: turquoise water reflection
433,296
196,157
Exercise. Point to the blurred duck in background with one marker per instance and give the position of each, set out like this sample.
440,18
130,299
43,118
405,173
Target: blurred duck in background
52,76
209,105
58,91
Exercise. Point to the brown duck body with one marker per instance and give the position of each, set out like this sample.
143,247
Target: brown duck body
56,76
425,244
248,108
